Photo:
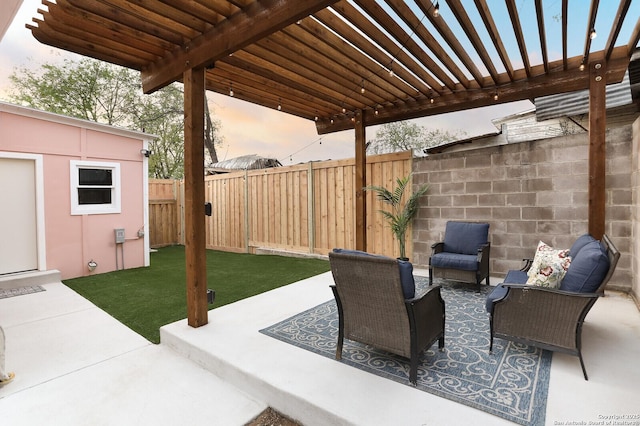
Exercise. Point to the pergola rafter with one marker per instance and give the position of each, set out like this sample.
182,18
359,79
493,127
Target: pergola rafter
326,59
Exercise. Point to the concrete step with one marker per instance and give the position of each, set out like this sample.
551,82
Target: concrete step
28,279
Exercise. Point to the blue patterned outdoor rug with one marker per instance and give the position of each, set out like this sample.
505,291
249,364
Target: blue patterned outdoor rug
511,383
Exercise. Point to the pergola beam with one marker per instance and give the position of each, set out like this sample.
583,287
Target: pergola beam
540,85
260,19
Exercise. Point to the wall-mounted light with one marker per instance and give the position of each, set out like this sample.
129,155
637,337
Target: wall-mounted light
92,265
145,152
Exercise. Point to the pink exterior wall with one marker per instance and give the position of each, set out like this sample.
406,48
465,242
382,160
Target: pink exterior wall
73,240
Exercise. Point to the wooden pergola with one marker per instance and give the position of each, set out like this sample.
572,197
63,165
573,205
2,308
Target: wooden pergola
345,64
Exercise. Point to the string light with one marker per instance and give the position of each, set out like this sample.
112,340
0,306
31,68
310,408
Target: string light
279,104
436,10
362,90
231,89
495,97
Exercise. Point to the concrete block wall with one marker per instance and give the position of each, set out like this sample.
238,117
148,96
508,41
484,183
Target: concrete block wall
635,212
528,192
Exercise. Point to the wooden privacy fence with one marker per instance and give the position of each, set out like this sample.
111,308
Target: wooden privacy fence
166,224
306,208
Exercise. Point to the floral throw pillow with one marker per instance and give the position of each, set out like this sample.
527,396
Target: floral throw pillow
549,266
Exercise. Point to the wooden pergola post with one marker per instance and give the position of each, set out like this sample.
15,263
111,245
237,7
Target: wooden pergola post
597,151
194,239
360,182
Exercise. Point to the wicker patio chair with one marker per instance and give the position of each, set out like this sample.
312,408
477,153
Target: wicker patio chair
547,318
372,308
463,255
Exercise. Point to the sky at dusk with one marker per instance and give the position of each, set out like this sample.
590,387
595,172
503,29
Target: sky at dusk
247,128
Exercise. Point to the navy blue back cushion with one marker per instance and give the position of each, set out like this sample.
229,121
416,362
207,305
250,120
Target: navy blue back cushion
588,269
582,241
406,271
465,237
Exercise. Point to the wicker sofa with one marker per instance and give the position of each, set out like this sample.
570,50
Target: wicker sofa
552,318
375,308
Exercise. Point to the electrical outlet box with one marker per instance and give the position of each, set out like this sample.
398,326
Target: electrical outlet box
119,235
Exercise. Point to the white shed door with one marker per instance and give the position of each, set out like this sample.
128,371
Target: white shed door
18,232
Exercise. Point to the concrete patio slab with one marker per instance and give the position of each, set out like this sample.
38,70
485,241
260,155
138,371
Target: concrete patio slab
320,391
76,365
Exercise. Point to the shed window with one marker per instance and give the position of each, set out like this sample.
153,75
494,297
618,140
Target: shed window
95,187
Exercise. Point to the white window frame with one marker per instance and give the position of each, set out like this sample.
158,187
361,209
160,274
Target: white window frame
80,209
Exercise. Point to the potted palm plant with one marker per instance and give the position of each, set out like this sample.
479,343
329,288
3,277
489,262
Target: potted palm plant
402,211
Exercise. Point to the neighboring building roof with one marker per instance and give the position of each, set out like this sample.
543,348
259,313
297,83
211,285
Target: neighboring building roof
620,94
72,121
245,162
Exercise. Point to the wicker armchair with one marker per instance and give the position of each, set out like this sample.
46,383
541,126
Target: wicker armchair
547,318
372,308
463,255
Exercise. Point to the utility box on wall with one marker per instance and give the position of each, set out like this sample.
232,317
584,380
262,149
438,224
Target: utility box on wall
119,235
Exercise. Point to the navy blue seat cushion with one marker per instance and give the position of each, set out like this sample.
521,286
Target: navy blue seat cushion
515,276
406,271
588,269
582,241
498,293
465,262
465,237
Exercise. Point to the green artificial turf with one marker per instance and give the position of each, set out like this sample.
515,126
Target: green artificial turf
145,299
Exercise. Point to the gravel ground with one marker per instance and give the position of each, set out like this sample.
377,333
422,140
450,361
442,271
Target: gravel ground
271,417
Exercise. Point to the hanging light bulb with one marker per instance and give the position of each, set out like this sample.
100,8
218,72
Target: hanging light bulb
391,74
362,90
231,89
495,97
344,110
593,34
436,10
431,100
582,66
376,112
279,105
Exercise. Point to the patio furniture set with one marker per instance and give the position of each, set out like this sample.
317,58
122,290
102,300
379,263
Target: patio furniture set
544,304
